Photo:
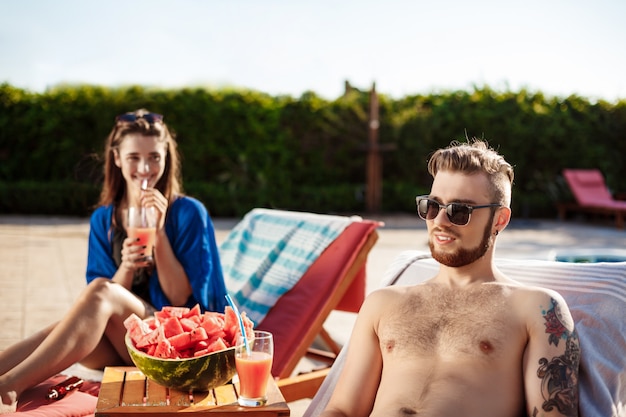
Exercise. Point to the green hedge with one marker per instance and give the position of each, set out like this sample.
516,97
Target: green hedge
244,149
58,198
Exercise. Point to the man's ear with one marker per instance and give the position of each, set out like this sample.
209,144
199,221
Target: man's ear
502,218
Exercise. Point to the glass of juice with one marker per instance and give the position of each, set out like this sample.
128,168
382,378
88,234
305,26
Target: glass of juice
254,366
141,224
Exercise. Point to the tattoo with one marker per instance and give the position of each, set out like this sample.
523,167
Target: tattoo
554,324
559,385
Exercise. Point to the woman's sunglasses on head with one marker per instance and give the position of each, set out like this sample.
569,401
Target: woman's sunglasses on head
151,118
458,213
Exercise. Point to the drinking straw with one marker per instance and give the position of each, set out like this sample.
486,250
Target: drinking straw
243,330
144,216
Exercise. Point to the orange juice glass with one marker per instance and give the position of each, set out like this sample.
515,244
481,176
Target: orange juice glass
254,367
141,224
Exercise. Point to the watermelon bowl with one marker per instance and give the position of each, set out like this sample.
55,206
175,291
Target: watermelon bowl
201,373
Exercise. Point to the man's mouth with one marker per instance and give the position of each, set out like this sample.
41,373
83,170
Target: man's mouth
443,239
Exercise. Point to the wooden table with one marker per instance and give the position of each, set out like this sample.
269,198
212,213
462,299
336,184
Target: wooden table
125,391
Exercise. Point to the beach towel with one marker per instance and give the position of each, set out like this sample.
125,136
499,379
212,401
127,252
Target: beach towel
266,254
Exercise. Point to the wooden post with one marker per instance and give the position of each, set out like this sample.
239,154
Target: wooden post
373,192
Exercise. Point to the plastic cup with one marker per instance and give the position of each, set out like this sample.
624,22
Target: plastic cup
141,224
254,368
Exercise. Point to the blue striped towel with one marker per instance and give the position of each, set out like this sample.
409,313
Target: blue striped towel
266,254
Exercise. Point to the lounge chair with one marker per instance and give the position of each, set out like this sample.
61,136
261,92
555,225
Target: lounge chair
592,196
330,251
596,295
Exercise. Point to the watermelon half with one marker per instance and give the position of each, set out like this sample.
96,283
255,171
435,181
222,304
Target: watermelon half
201,373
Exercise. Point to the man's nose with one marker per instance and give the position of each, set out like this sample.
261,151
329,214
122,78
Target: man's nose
441,217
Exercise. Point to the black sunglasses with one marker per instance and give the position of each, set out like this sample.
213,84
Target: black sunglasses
151,118
458,213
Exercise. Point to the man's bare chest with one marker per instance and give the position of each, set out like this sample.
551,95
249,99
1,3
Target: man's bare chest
440,321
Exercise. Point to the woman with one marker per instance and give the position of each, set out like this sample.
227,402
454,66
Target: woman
141,168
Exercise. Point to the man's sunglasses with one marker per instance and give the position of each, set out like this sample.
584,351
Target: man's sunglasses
458,213
151,118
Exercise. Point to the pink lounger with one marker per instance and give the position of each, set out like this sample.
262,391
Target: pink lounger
592,195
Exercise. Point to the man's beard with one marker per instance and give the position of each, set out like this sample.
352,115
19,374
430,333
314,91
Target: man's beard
464,256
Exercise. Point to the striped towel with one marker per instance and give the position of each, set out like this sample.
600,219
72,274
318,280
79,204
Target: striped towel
266,254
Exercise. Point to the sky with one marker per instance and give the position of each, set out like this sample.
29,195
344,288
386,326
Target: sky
288,47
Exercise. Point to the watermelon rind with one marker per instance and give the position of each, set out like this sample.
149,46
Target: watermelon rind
201,373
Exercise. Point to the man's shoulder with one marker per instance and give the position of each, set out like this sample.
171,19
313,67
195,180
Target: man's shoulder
528,291
534,302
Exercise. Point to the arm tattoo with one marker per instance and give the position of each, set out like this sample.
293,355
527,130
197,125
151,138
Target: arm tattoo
554,325
559,385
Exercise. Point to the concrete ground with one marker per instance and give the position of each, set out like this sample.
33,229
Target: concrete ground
43,260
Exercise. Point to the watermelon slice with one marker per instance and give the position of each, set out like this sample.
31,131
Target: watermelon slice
164,349
188,324
136,327
186,340
175,311
172,326
193,312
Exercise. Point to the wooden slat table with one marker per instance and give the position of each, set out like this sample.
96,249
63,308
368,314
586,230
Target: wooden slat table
125,391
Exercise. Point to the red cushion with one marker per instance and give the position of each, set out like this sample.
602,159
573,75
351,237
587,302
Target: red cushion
82,403
355,294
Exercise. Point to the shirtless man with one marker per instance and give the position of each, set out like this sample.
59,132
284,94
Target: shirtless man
468,342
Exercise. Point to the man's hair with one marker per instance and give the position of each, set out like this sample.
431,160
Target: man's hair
170,183
475,157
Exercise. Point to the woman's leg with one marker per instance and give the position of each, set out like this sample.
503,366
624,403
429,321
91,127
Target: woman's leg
103,355
18,352
98,314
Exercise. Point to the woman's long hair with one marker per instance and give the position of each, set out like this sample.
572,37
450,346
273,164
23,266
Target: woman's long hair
144,123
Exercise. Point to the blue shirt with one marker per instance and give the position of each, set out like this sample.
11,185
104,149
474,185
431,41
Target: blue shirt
190,231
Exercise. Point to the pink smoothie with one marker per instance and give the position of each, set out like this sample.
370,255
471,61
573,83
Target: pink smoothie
254,371
146,236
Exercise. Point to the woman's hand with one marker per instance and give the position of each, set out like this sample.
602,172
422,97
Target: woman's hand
153,198
134,255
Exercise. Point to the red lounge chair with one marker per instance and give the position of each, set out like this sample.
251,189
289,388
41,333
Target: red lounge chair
337,277
334,281
592,195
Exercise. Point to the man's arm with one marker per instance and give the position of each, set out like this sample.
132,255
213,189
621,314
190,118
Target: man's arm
356,388
552,358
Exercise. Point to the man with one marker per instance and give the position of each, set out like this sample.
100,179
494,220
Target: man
469,341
